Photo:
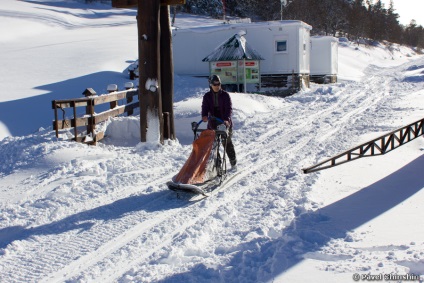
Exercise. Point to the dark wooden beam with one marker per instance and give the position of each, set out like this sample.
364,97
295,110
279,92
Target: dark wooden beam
378,146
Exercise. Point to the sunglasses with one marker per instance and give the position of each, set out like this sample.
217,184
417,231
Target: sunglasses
216,84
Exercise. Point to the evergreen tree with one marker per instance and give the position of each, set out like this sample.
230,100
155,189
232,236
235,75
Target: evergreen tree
357,18
393,28
353,18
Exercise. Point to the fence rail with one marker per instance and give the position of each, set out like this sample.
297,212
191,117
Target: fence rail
91,118
378,146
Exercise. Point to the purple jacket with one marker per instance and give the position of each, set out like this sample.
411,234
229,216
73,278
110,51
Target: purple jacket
224,104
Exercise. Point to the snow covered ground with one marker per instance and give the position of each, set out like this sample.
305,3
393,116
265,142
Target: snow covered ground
77,213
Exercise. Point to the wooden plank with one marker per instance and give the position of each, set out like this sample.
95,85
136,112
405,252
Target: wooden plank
392,142
375,145
421,126
316,168
84,121
79,102
82,99
68,104
109,113
114,112
62,124
114,97
368,146
99,136
71,123
403,135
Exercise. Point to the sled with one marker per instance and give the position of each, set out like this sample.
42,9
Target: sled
206,166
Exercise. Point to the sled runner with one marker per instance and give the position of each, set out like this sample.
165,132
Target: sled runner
206,166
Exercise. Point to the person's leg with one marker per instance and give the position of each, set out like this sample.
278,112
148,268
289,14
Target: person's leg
231,153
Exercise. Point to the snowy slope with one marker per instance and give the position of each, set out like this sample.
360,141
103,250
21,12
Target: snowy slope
73,213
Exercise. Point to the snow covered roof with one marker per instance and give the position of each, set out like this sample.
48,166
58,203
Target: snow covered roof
269,24
324,38
235,48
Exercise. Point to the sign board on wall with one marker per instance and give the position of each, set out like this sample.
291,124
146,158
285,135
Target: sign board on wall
226,70
252,72
231,72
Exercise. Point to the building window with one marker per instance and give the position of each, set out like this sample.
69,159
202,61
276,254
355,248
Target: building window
281,45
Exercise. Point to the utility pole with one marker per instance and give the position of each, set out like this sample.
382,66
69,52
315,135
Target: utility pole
167,72
156,70
223,9
151,120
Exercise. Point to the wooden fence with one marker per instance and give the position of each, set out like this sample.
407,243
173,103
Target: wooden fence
293,81
378,146
85,125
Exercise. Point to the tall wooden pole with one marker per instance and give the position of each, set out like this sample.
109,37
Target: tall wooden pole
151,120
223,9
167,69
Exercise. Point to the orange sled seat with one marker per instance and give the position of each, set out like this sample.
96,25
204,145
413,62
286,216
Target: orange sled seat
195,170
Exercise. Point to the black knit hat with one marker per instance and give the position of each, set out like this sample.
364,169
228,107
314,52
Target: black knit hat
214,79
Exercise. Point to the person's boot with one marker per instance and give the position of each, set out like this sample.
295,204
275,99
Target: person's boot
233,162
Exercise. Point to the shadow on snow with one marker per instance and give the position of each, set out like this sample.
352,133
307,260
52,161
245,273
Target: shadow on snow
82,5
262,259
27,115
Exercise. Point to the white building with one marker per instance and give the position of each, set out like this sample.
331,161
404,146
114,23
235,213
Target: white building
284,45
324,59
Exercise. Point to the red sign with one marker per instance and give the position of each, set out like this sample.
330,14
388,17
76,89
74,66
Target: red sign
223,64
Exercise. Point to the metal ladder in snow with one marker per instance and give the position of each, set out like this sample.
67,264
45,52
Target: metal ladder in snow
378,146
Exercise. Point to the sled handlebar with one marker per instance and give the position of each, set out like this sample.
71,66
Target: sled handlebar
219,120
195,125
220,130
212,118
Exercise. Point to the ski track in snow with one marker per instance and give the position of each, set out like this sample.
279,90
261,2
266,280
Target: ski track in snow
131,238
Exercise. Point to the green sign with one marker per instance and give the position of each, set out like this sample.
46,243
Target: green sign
231,72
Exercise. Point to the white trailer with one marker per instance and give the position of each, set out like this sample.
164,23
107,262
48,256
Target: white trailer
285,46
324,59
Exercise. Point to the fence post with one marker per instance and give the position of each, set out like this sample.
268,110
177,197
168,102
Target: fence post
166,126
112,88
89,110
75,120
56,119
129,85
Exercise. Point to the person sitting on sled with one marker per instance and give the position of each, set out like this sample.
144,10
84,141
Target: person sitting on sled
217,103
